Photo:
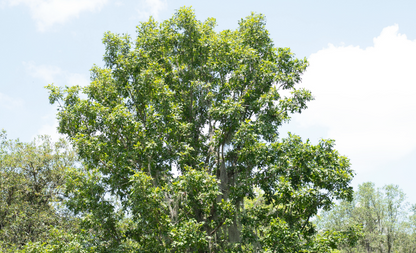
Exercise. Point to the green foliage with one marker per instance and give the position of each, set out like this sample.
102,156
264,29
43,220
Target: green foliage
387,225
180,127
32,177
58,241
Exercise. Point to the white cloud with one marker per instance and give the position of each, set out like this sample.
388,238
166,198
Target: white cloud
77,79
366,98
46,13
10,103
51,74
45,72
118,3
151,8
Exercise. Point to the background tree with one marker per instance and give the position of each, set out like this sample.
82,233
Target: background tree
31,179
387,224
395,214
178,129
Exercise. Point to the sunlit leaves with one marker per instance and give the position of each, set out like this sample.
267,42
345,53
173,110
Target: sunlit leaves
181,125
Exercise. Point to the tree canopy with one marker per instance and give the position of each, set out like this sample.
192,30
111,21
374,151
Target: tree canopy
179,135
389,225
32,181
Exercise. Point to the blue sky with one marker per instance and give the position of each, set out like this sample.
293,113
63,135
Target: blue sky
362,67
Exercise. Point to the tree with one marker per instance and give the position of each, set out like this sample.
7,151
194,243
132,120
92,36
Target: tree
394,206
387,227
31,179
181,126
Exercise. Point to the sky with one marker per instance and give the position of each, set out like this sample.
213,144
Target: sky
362,71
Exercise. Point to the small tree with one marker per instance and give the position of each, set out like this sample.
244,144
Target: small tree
31,179
180,127
383,214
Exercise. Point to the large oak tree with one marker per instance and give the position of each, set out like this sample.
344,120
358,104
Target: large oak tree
178,132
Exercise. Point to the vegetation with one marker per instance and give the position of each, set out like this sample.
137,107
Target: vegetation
32,177
175,148
179,129
389,225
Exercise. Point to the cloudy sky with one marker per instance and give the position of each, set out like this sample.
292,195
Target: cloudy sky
362,69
